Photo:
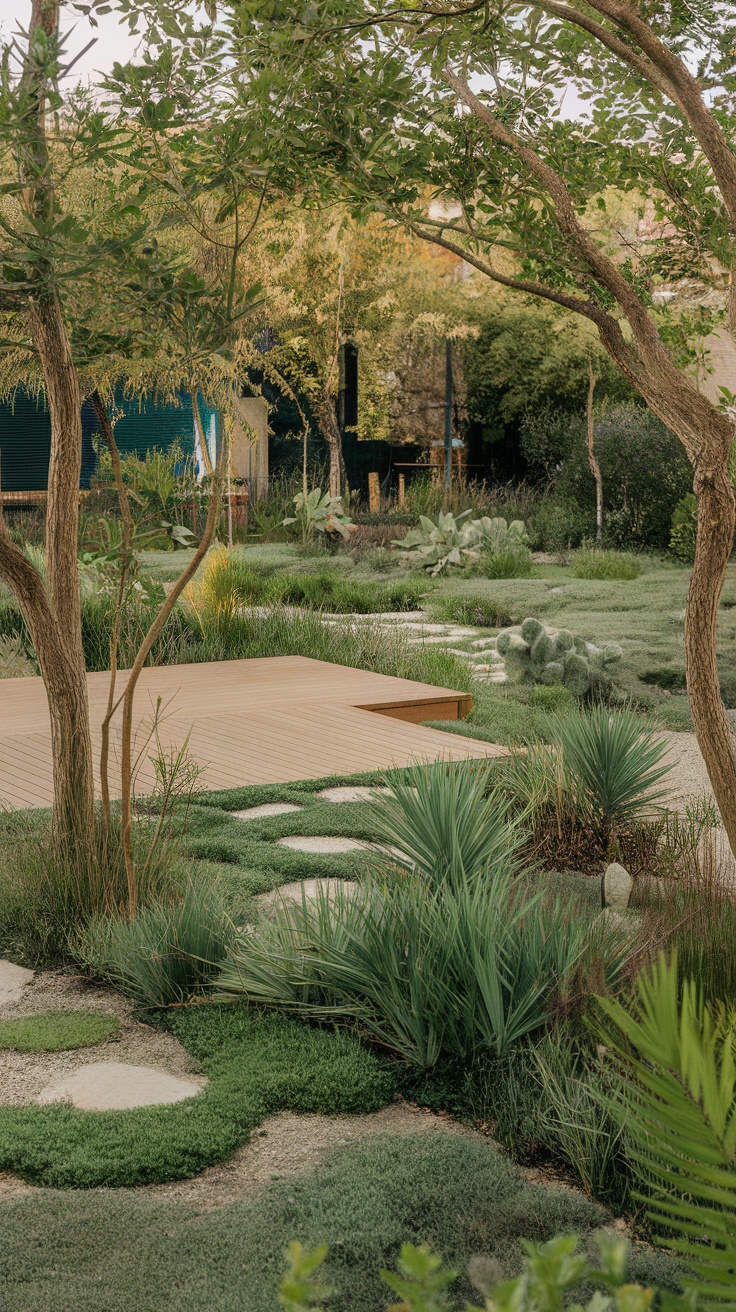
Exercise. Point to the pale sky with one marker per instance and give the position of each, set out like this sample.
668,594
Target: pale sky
114,42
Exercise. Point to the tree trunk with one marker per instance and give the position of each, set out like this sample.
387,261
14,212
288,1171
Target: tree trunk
330,430
595,468
713,546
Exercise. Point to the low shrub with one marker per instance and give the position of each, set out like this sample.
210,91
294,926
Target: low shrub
506,564
592,563
170,951
56,1031
464,542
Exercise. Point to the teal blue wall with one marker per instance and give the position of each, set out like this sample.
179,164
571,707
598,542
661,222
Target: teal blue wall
25,436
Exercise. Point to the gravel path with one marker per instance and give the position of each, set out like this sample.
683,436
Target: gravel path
23,1075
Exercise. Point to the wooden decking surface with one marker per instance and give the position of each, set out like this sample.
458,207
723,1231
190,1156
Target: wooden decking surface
253,721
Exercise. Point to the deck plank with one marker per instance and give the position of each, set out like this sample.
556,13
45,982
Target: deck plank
268,720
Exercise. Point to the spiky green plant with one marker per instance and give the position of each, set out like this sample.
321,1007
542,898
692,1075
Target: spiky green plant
449,823
679,1106
455,971
616,764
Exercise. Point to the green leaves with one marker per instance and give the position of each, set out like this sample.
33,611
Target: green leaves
679,1105
616,764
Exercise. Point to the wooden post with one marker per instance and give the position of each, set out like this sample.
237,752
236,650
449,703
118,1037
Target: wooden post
374,494
402,490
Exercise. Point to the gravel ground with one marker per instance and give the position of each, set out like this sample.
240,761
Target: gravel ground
23,1075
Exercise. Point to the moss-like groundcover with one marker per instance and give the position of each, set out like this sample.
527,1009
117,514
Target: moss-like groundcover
257,1065
56,1031
459,1195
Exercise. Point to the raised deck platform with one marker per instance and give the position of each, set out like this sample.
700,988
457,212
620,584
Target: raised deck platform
250,722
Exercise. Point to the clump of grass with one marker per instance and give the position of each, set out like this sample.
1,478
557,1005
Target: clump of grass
48,895
170,951
506,564
56,1031
474,609
594,563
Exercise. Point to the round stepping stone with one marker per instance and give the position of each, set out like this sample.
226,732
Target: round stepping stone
351,793
309,889
324,845
13,980
265,809
104,1086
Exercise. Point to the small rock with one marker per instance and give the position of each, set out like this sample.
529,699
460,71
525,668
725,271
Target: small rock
481,643
616,886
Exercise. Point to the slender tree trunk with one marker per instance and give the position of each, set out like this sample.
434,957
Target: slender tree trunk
595,468
126,515
201,438
330,430
127,699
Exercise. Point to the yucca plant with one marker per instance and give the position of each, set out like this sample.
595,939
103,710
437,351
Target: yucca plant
678,1103
459,970
450,823
615,764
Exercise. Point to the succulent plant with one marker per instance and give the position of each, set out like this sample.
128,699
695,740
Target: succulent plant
461,541
541,655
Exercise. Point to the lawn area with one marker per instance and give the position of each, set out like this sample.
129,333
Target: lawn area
459,1195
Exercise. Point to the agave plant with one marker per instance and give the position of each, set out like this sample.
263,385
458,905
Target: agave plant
318,513
460,541
679,1106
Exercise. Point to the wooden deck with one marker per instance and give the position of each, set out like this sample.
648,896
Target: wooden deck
251,722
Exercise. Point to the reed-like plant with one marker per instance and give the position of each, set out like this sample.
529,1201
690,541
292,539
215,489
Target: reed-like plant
170,951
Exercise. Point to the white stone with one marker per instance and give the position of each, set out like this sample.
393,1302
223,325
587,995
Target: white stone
457,632
324,845
352,793
617,886
484,642
116,1086
308,890
13,980
266,809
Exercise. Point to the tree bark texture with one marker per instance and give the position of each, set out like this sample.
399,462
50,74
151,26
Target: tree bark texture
595,468
330,430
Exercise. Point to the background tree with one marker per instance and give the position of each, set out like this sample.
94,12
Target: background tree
404,112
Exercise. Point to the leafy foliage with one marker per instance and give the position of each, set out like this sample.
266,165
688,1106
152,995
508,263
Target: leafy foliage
616,763
464,542
429,972
679,1102
320,513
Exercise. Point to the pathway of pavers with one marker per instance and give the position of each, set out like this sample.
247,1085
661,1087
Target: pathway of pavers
467,643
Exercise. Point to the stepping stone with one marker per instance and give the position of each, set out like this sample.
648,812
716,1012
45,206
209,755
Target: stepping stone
324,845
116,1086
309,889
265,809
13,980
351,793
481,643
457,632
